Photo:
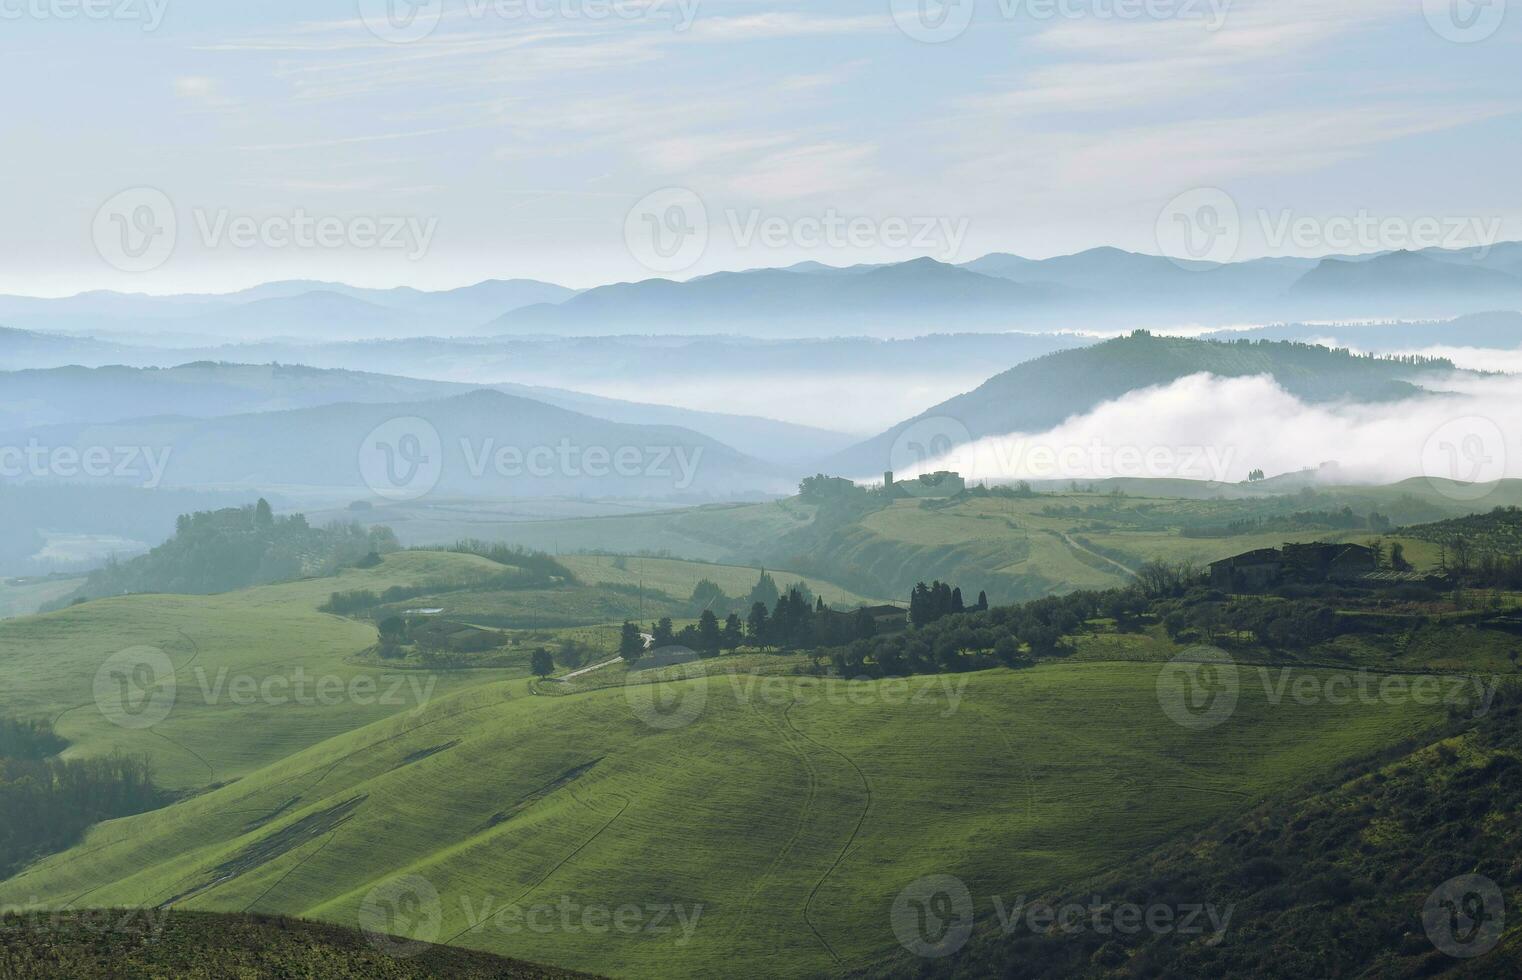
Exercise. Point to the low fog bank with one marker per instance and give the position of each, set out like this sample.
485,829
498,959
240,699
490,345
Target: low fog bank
1205,427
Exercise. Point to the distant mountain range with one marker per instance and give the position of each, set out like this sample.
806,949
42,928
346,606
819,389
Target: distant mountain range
1500,329
1102,288
296,309
917,297
73,395
479,444
1040,394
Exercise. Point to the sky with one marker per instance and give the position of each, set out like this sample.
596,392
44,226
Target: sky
167,146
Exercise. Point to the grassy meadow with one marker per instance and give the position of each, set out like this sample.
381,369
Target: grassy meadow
217,727
789,810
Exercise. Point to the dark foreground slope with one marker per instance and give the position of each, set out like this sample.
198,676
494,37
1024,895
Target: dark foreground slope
120,944
1405,865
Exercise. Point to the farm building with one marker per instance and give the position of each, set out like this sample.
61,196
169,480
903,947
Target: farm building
888,619
943,483
1315,562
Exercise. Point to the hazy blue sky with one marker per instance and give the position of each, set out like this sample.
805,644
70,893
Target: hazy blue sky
512,139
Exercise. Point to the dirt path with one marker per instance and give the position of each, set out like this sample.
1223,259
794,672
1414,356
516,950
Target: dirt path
1128,573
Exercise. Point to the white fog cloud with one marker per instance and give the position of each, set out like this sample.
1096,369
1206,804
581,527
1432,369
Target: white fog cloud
1205,427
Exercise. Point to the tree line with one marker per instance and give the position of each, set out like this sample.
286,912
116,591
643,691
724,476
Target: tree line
47,804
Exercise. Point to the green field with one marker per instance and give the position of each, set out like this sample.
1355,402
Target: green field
790,811
734,811
1013,548
217,727
23,597
678,578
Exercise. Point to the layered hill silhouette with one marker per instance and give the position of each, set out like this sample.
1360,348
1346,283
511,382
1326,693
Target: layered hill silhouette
1102,287
213,389
920,296
451,446
1039,394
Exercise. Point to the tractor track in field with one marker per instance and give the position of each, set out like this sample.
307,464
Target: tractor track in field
787,716
326,771
298,867
560,864
803,815
1030,773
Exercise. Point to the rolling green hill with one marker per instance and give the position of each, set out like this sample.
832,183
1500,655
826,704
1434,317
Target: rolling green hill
1013,547
773,829
23,597
1039,394
217,728
1332,881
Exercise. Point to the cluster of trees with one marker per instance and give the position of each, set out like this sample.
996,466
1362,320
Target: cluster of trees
1212,617
709,637
1015,636
28,740
929,603
796,620
535,568
707,596
1345,519
46,804
529,570
233,548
